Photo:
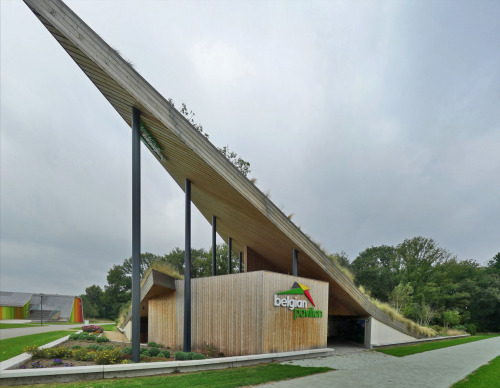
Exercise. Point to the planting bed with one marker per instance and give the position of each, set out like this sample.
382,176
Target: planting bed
91,353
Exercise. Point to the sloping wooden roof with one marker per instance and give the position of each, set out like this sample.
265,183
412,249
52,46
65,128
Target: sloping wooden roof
218,188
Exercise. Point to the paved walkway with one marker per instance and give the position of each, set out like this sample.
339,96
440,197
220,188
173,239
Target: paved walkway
18,332
435,369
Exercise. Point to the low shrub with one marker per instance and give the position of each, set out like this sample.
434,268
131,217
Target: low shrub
127,350
146,354
83,354
154,351
76,347
102,339
74,337
471,328
91,337
107,347
164,354
59,352
153,345
142,350
93,346
181,356
92,329
107,357
210,349
198,356
31,349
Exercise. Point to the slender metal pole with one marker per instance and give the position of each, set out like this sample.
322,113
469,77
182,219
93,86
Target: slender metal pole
136,234
41,309
187,271
214,246
241,262
295,263
229,248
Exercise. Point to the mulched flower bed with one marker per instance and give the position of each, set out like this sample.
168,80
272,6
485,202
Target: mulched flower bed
67,362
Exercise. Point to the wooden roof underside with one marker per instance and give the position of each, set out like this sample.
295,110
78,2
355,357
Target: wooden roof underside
243,212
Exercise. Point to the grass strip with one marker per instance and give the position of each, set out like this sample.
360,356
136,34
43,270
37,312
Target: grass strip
226,378
16,325
110,327
486,376
12,347
402,351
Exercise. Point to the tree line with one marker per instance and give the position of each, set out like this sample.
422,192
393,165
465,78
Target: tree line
429,285
419,279
107,302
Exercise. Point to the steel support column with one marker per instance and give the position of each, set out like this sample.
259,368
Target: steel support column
241,262
214,246
295,271
136,234
229,248
187,272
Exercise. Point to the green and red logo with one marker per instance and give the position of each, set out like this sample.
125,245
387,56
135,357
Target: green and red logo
299,289
299,306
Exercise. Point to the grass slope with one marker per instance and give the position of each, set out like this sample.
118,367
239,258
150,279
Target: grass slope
233,377
401,351
486,376
12,347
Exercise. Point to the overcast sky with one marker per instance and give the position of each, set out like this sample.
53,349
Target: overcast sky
371,121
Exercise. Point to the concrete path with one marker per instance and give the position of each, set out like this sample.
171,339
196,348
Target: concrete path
10,333
435,369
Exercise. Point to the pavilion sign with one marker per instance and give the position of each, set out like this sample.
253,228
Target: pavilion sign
298,306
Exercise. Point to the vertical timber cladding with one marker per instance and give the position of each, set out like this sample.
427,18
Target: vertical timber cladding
284,329
237,314
162,319
226,312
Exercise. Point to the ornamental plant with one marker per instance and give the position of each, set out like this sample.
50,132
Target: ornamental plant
107,357
164,354
31,349
93,329
153,352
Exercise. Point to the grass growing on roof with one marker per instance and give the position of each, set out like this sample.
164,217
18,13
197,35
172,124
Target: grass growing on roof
232,377
401,351
12,347
413,327
486,376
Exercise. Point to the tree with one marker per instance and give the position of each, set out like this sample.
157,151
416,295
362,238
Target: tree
117,291
451,317
147,259
377,270
494,264
401,296
417,257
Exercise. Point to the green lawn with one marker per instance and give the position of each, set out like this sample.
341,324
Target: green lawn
11,347
486,376
401,351
16,325
233,377
111,327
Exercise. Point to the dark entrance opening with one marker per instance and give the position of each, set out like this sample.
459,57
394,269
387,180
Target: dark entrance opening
346,329
144,330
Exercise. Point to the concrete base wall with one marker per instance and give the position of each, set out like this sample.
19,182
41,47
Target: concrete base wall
381,334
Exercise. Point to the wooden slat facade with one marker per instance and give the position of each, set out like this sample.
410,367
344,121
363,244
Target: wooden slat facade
236,314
